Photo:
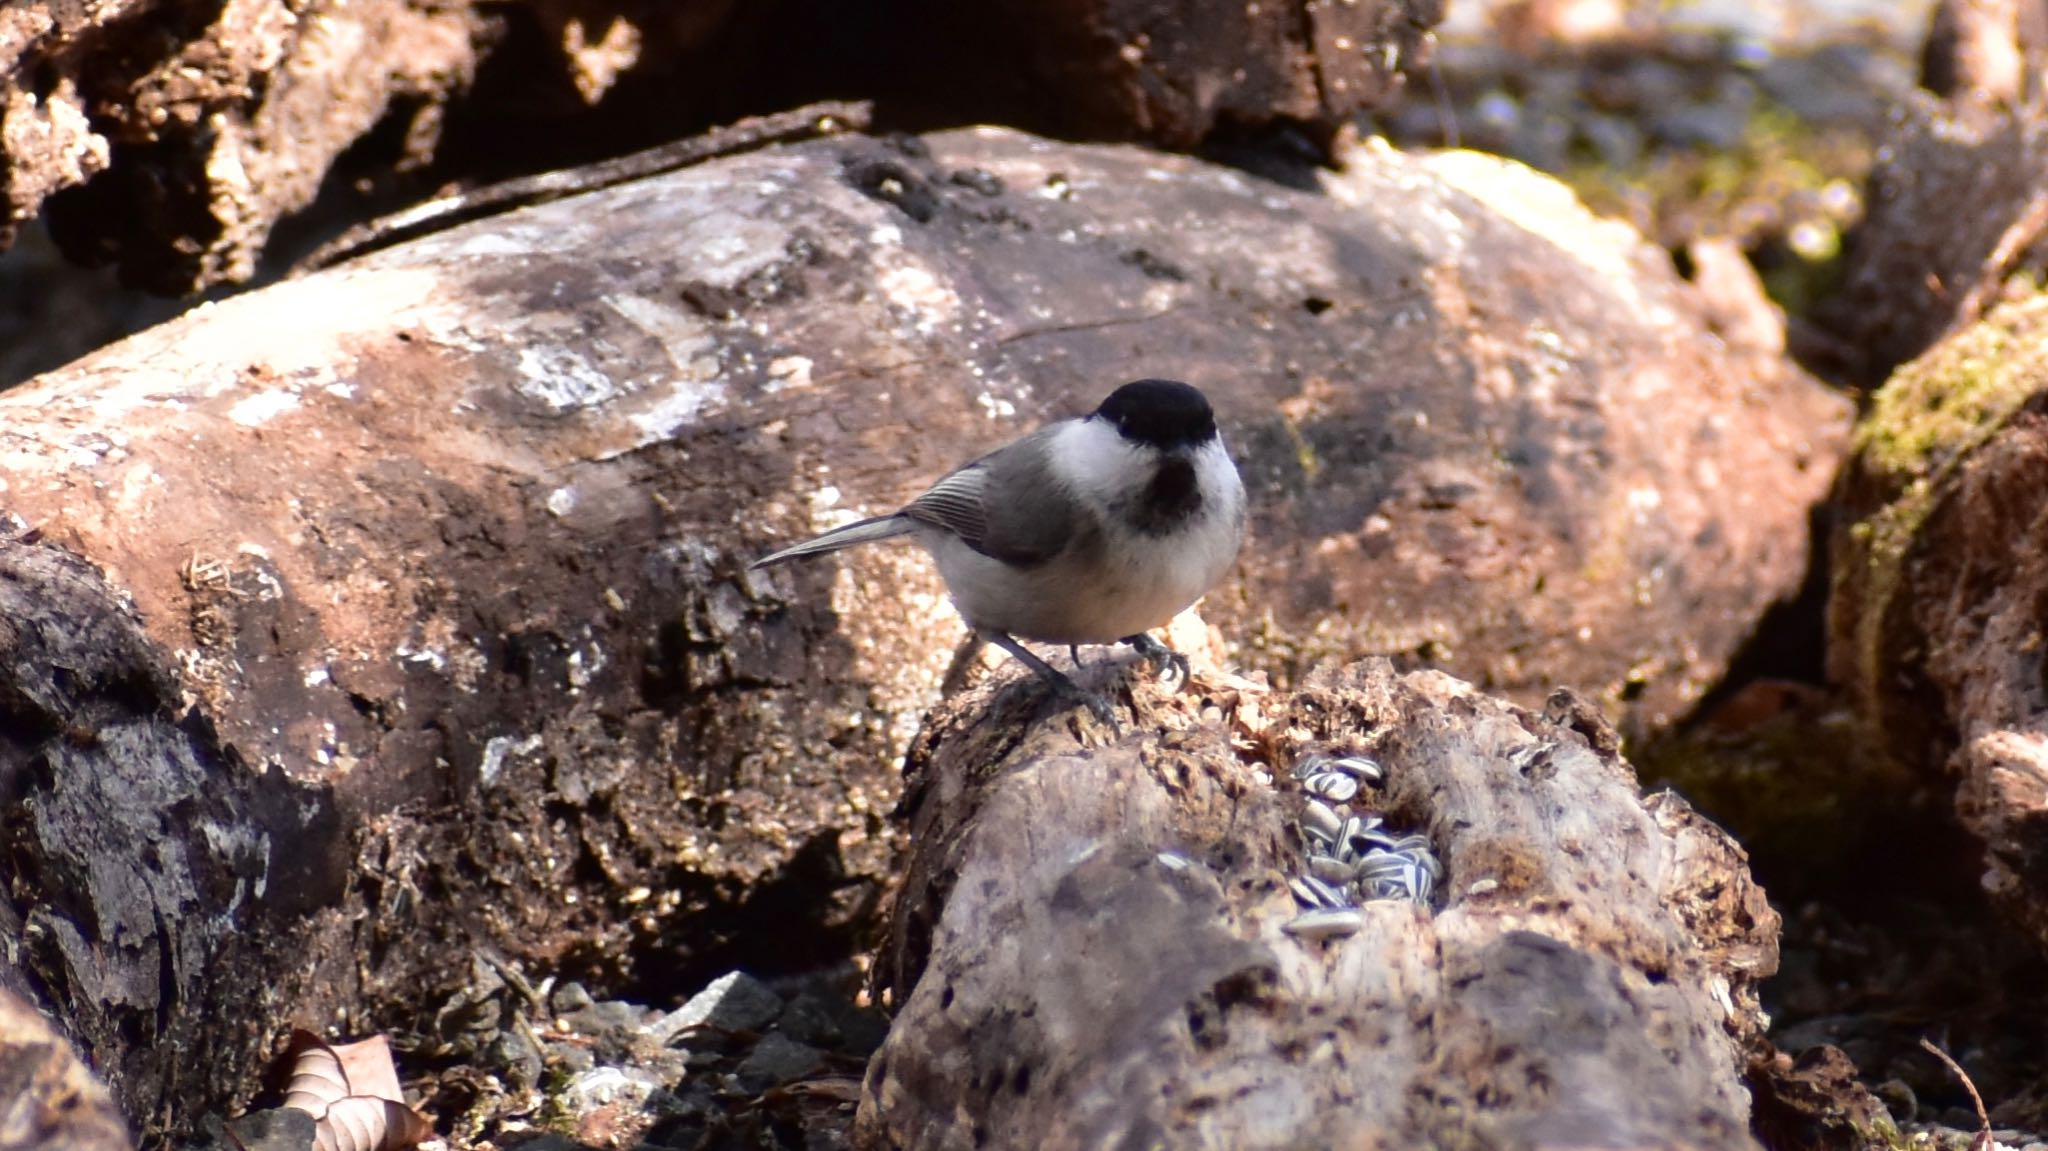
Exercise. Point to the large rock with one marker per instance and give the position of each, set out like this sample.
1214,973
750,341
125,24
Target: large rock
1917,268
1941,584
401,612
1174,71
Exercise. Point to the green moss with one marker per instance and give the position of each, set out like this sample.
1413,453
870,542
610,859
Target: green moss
1923,425
1772,182
1938,408
1726,192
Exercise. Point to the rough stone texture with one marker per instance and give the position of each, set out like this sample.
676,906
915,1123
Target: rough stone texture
1508,497
198,124
1816,1101
48,1100
1172,71
145,875
1917,267
1941,584
186,129
1588,977
414,592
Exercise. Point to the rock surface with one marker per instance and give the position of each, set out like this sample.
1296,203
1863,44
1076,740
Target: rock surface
1941,584
399,614
1918,268
180,132
1174,71
1093,946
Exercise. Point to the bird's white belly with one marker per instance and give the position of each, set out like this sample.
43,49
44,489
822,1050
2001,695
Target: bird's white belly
1133,587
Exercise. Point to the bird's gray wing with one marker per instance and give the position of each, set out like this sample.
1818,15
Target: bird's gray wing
1007,505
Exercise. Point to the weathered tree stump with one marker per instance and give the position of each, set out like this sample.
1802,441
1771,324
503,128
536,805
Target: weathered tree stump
399,613
1092,946
1939,615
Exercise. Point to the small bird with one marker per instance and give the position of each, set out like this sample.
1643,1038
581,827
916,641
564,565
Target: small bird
1087,531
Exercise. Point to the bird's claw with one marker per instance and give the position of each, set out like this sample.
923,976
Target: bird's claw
1096,705
1171,665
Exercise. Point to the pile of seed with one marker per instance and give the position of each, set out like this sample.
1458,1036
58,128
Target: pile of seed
1351,857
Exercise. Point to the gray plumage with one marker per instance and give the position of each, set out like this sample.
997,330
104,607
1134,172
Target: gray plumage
1090,530
1026,527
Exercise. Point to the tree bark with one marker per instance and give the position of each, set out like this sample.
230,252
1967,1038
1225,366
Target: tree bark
1936,618
1092,945
48,1100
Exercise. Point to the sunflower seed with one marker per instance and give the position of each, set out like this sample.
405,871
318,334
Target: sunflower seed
1330,923
1347,837
1360,766
1380,865
1313,892
1422,883
1322,820
1331,870
1411,845
1310,764
1334,786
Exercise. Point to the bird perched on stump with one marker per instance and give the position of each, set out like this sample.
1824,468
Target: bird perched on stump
1087,531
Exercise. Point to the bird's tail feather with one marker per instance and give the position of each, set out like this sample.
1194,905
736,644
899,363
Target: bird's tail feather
878,528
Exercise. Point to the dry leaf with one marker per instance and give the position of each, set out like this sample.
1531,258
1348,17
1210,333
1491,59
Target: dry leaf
352,1093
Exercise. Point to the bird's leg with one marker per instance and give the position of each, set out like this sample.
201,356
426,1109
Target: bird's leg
1074,649
1160,656
1060,684
966,659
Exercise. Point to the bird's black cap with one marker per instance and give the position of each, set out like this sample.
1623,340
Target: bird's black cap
1160,413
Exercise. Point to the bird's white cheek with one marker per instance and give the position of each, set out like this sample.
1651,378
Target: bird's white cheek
1092,457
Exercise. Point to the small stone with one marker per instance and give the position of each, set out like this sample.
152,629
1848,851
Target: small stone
521,1060
603,1085
281,1129
571,1058
570,997
808,1019
608,1018
734,1002
863,1029
682,1118
774,1061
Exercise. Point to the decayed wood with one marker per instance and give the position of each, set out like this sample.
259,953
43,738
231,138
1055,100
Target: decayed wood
200,125
1090,948
183,131
48,1100
420,618
1940,560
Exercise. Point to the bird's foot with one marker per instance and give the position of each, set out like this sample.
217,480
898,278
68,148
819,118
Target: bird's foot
1170,664
1093,701
1061,685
